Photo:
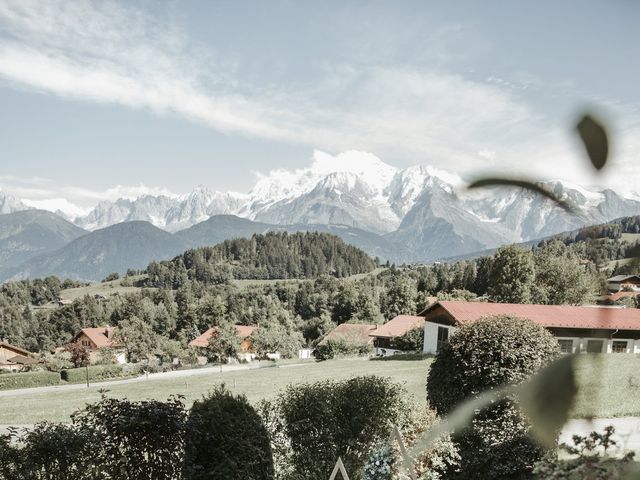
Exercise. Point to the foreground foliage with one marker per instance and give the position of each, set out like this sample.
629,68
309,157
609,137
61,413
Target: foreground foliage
485,355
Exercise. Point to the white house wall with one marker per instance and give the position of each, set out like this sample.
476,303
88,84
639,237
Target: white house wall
431,336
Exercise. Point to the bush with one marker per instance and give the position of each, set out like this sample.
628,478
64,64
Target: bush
412,341
313,424
226,440
486,354
96,372
340,348
136,439
10,381
583,459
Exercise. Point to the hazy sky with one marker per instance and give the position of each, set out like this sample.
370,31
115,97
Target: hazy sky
100,98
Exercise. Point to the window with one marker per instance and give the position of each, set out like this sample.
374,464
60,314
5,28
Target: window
594,346
443,337
619,346
566,346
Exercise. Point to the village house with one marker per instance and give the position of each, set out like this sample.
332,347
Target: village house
624,283
93,339
15,359
396,327
243,332
578,329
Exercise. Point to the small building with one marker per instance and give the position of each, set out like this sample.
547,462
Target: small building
396,327
243,331
578,329
93,339
64,301
14,359
628,283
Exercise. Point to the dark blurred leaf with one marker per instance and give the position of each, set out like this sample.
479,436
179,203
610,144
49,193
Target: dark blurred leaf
594,138
513,182
547,398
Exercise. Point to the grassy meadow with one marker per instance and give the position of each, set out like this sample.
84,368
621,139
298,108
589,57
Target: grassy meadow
612,389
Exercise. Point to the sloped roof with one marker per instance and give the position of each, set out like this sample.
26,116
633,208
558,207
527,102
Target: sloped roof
203,340
18,350
622,278
558,316
354,332
23,360
101,336
398,326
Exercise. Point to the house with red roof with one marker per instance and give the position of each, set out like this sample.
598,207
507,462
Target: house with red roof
350,332
95,338
243,332
578,329
398,326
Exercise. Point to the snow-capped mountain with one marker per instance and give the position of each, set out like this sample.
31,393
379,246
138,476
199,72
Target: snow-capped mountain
10,204
426,210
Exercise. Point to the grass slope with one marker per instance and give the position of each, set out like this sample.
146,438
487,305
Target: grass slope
612,391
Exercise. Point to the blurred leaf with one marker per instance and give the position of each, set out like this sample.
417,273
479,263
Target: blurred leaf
594,138
547,398
513,182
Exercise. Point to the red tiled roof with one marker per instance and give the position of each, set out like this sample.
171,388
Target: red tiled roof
100,336
558,316
398,326
357,332
203,340
618,295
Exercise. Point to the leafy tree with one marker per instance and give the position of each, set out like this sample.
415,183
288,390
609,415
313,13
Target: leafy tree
226,440
111,277
400,297
411,341
79,355
224,343
512,275
137,338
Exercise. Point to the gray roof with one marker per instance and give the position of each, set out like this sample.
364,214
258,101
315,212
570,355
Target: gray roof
622,278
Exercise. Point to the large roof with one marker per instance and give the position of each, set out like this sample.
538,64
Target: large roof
203,340
100,336
18,350
557,316
355,332
398,326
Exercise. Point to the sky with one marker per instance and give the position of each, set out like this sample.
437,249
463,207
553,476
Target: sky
107,99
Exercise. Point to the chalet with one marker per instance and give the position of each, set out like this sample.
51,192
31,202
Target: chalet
628,283
578,329
396,327
350,332
14,359
243,331
93,339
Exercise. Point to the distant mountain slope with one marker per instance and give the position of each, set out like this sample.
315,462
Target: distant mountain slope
95,255
224,227
10,204
26,234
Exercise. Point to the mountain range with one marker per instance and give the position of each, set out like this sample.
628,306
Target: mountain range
416,214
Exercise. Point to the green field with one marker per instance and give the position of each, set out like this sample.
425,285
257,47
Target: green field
630,237
613,389
104,288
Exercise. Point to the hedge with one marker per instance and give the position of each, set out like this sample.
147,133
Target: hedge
10,381
96,372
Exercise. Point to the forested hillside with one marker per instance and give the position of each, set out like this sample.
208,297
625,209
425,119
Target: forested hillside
269,256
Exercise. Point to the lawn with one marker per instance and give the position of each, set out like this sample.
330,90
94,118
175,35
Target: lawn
609,388
104,288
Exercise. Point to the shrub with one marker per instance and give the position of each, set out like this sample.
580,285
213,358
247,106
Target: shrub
136,439
484,355
96,372
226,440
583,459
12,381
313,424
411,341
340,347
